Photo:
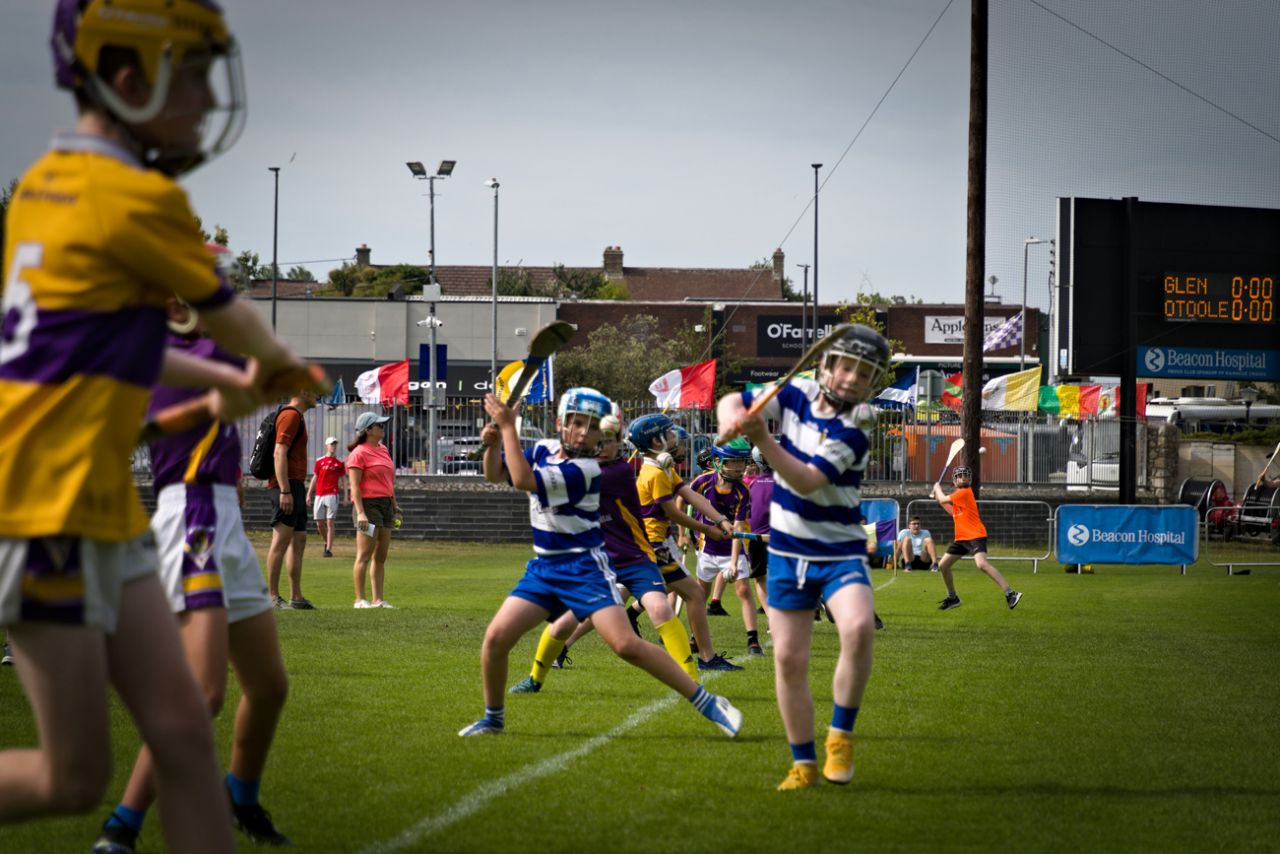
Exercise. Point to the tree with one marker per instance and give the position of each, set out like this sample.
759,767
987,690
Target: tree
516,282
585,284
6,196
299,274
863,311
623,360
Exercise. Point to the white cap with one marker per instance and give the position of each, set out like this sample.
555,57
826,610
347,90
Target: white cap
332,440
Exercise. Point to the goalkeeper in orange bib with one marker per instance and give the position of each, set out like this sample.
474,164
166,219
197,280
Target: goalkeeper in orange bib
971,538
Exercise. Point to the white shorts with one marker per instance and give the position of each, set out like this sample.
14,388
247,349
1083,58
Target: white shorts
70,580
206,561
325,507
709,566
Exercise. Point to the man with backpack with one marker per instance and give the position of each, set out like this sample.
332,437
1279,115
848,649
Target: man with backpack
289,505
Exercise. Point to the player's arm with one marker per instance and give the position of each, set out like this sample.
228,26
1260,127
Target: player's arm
717,531
803,478
683,538
311,488
515,465
943,499
234,393
357,498
491,464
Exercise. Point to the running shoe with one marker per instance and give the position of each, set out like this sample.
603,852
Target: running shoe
949,603
481,727
718,662
527,685
839,765
803,775
115,839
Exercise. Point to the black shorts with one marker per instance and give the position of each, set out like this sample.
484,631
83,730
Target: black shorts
918,562
672,570
967,547
758,555
298,518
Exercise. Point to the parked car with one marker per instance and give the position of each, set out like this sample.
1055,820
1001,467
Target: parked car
461,454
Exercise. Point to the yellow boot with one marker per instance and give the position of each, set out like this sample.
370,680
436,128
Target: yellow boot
839,766
801,776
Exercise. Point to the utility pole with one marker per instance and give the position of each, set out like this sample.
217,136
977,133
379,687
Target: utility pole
975,245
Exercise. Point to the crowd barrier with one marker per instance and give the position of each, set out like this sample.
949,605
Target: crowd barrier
1016,530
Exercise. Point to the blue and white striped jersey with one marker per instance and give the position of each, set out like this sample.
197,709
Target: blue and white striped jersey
565,509
826,524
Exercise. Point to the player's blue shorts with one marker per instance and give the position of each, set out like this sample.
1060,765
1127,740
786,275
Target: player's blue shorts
582,583
641,578
796,584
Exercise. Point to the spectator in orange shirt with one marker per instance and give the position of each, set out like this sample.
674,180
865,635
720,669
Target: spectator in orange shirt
288,492
971,538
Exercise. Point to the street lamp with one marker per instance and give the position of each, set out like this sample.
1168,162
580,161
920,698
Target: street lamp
804,308
816,167
275,233
1022,353
493,359
1249,396
432,293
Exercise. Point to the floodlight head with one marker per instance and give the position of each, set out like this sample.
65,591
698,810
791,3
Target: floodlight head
1032,241
446,168
491,182
1249,395
418,170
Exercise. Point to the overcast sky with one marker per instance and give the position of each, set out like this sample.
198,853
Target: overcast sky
683,131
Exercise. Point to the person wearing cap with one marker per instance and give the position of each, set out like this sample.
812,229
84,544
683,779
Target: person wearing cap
323,491
372,476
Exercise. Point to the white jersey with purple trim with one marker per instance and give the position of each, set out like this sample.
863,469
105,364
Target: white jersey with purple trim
564,510
826,524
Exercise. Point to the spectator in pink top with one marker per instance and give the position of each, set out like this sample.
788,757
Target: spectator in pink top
372,476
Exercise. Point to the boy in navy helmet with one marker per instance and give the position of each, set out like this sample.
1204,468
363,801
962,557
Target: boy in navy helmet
817,545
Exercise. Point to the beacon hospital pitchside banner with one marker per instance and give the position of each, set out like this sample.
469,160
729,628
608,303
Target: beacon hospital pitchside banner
1108,533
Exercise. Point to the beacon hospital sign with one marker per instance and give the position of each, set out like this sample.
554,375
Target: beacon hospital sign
1126,533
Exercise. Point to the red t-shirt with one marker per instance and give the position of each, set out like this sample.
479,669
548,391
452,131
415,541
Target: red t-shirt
377,472
328,470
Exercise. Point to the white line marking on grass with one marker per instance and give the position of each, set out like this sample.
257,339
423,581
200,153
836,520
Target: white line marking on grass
480,798
497,788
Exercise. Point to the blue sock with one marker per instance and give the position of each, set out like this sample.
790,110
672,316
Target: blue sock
495,715
123,816
702,699
842,717
807,752
244,793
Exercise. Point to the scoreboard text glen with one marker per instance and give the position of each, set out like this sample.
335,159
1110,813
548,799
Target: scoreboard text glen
1220,298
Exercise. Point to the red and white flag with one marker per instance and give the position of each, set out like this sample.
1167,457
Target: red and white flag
686,388
387,385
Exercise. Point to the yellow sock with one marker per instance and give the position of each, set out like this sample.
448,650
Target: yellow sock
677,644
548,649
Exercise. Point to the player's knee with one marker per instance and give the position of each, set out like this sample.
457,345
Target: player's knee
627,646
269,692
791,664
77,785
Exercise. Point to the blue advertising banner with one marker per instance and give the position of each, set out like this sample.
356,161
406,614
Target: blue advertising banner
424,362
1127,533
1206,362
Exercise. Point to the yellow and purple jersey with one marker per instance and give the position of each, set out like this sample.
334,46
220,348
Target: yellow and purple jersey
94,243
655,486
620,514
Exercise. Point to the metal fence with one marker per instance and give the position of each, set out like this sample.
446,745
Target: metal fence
1016,530
1019,447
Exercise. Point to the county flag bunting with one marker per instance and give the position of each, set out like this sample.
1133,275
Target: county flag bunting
335,398
902,392
953,392
1018,392
386,385
1005,335
686,388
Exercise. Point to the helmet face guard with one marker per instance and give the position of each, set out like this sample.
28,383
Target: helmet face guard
731,459
647,429
869,352
962,473
169,38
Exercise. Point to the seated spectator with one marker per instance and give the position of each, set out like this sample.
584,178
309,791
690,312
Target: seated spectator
915,547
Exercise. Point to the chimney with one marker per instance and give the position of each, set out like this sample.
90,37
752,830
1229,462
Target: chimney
362,255
613,262
779,265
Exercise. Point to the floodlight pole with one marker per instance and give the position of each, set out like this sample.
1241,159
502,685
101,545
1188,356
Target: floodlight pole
804,308
1022,353
275,233
816,167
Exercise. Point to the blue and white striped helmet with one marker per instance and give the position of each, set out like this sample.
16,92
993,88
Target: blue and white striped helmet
585,400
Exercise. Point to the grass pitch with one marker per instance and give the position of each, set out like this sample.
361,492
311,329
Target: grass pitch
1132,709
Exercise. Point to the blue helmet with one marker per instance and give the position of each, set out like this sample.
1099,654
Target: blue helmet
738,449
585,400
646,428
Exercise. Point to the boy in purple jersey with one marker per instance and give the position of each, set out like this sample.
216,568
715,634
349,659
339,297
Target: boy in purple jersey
570,571
758,550
731,500
633,563
211,576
